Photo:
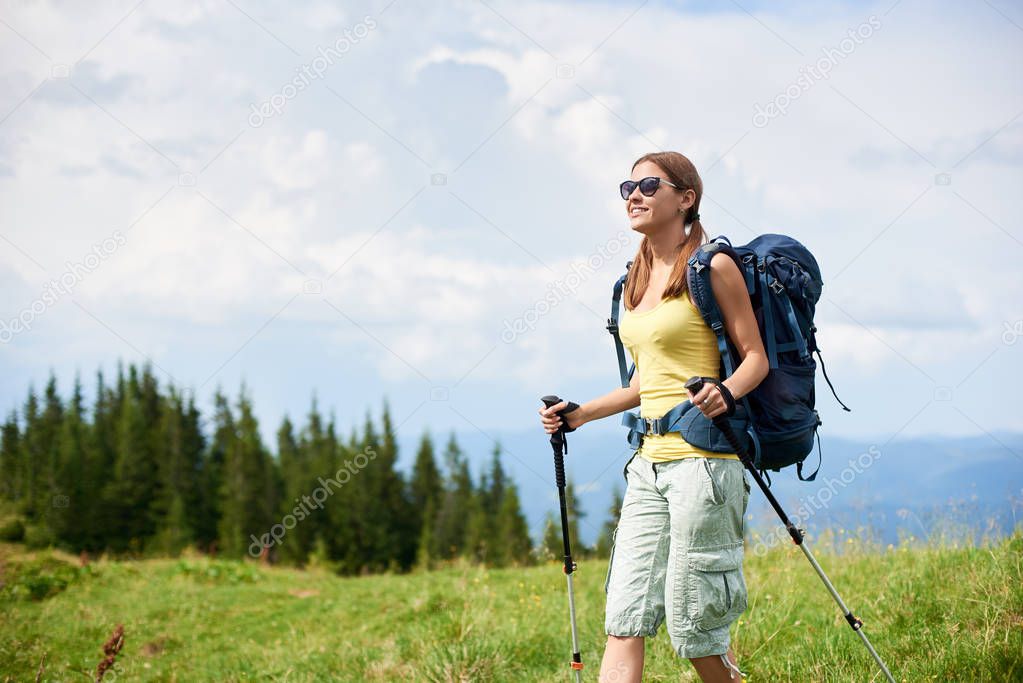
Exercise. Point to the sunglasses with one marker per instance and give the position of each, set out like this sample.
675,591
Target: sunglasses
648,186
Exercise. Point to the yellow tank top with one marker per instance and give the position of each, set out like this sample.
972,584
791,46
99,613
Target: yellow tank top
669,344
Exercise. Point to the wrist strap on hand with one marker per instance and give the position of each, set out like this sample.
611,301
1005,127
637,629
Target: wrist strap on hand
725,394
567,409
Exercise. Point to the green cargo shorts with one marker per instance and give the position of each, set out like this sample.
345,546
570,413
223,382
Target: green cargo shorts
677,552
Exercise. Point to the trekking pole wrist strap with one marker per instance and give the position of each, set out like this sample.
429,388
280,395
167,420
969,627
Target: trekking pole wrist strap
564,421
725,394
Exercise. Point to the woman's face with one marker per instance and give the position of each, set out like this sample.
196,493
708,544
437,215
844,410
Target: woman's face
649,214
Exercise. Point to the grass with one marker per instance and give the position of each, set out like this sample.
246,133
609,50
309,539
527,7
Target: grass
935,613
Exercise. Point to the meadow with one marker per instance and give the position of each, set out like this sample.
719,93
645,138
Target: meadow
935,612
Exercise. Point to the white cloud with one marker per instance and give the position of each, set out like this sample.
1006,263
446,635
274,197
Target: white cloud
437,281
296,164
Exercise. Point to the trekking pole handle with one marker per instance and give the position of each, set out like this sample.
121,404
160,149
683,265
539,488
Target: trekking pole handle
695,384
552,400
558,441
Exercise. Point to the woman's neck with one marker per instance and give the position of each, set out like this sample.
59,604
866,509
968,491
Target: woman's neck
664,246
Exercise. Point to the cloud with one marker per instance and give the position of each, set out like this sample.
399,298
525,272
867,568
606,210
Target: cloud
436,270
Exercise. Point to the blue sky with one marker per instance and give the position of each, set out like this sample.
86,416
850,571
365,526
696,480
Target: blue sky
372,237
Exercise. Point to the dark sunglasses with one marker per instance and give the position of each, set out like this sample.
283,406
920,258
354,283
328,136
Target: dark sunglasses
648,186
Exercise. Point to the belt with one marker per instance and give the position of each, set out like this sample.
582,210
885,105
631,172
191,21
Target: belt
690,422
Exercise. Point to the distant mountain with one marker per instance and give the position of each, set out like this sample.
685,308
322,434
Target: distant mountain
912,486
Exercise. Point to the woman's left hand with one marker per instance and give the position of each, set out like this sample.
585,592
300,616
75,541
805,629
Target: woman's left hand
709,400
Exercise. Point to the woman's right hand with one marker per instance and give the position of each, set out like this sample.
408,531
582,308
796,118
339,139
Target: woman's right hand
552,422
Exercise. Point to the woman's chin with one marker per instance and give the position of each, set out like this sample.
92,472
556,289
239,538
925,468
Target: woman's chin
641,226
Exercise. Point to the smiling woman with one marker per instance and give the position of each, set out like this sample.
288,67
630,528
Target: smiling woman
682,502
678,548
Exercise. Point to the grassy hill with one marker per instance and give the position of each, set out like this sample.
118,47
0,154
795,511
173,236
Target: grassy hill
934,613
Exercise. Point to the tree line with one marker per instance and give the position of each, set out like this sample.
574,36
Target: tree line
141,472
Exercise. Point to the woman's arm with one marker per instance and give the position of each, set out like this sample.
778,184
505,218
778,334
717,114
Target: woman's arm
610,403
741,325
615,401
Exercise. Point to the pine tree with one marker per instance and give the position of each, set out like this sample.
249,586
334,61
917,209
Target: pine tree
248,502
495,522
211,475
297,542
178,478
425,489
498,482
478,538
99,466
193,447
393,536
31,456
349,509
10,459
553,544
450,530
579,549
52,499
512,544
133,483
551,547
72,500
426,550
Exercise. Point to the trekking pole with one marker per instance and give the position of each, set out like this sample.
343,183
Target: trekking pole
721,422
559,443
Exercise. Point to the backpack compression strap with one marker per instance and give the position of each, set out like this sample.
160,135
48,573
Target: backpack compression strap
769,283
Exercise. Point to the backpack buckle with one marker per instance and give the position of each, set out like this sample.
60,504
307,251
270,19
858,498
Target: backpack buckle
612,326
777,287
652,426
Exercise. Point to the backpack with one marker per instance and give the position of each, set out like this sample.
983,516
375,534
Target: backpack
778,416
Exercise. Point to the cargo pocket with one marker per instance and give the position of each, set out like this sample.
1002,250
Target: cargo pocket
610,560
717,588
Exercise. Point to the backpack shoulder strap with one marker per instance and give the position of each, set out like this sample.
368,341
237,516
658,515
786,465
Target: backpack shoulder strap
612,327
698,280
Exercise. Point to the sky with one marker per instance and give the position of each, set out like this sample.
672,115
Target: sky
417,204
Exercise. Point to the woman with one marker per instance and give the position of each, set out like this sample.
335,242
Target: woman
677,551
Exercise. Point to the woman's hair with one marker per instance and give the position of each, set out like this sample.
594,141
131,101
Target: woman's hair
679,170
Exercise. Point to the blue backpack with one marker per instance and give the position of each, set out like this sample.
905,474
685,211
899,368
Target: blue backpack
778,416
